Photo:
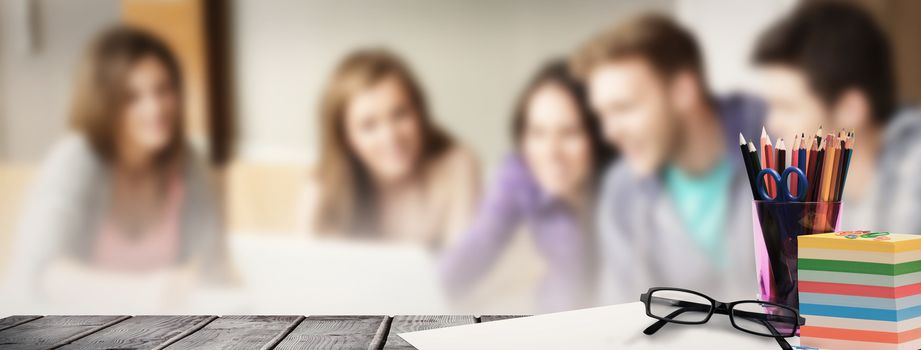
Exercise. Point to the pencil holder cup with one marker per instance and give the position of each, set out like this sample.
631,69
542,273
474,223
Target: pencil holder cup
776,227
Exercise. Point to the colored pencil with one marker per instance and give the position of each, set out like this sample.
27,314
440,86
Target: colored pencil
753,153
807,146
767,160
833,170
848,151
818,135
749,167
794,161
827,168
839,170
780,160
801,153
756,164
811,169
819,165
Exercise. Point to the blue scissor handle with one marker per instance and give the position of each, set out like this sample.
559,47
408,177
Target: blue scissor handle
783,192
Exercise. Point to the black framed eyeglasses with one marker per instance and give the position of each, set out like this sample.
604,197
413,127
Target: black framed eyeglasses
682,306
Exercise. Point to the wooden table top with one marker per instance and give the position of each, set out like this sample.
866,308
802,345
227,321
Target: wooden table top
225,332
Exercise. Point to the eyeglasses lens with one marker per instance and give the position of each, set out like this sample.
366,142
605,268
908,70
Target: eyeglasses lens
765,319
679,306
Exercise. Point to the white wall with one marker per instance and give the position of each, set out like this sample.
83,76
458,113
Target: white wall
35,85
472,56
728,30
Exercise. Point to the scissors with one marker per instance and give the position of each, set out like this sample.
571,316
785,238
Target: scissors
780,181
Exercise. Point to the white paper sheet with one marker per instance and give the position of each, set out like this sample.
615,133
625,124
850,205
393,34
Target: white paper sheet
610,327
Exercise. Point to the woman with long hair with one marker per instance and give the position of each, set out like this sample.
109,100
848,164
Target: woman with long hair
385,169
547,185
123,192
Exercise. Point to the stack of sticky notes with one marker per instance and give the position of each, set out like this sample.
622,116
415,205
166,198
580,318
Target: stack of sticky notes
860,290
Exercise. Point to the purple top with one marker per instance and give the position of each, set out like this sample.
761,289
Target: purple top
562,238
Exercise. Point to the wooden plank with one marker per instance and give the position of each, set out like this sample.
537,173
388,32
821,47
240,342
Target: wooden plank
13,321
402,324
490,318
141,332
334,332
52,331
240,332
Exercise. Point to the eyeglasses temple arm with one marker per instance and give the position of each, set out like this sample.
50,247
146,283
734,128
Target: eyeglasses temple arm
761,317
655,327
780,339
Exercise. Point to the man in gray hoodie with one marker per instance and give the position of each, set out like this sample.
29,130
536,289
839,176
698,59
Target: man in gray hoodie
676,210
830,64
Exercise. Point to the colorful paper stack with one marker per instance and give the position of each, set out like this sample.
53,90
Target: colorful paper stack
860,290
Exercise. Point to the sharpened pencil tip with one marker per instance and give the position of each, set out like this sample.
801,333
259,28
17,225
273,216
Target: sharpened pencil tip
741,139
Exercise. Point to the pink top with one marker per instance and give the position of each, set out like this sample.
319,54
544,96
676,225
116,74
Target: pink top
157,246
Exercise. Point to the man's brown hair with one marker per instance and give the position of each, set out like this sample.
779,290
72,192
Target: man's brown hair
837,46
666,45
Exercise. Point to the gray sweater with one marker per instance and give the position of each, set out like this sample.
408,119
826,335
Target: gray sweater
70,194
893,200
644,242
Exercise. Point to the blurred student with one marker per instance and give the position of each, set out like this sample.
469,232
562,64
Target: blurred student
676,211
386,171
830,64
548,185
124,192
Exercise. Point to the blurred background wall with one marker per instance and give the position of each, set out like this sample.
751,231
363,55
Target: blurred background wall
900,19
40,44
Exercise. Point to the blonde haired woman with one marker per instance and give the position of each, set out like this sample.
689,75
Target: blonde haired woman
386,170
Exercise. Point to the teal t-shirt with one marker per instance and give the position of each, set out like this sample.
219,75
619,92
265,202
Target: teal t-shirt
702,203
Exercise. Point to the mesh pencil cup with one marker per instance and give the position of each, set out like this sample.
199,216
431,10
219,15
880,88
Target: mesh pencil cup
776,226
